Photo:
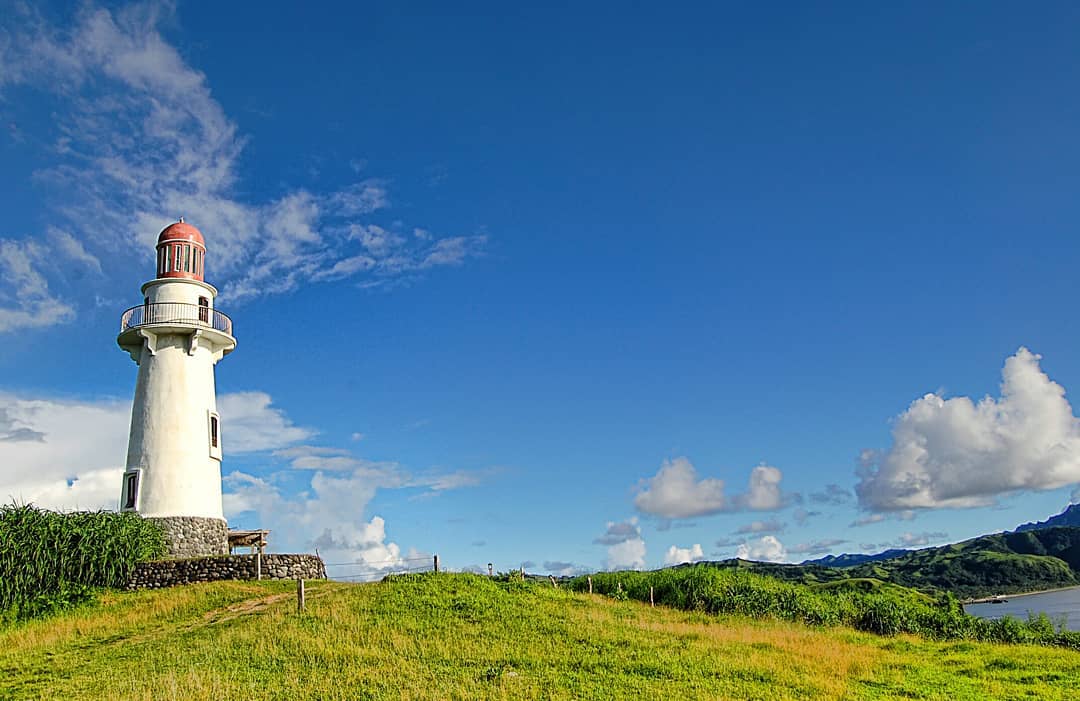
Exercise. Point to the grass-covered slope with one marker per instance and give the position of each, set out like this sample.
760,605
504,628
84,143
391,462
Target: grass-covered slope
467,637
1002,563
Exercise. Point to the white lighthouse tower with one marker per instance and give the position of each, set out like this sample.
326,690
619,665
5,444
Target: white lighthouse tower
174,449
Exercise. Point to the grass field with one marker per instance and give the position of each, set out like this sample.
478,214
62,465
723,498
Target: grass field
466,637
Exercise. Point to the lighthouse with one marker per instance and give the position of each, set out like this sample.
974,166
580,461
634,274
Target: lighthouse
176,337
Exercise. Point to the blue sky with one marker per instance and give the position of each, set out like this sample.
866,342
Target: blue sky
574,287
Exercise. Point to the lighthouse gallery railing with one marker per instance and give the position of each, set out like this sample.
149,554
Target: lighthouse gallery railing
175,313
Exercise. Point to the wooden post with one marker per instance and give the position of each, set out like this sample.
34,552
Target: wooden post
299,596
652,602
590,584
553,582
258,565
523,572
491,571
436,563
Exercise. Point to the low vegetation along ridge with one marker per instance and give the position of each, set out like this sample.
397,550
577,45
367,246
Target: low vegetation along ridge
462,636
50,561
864,604
1002,563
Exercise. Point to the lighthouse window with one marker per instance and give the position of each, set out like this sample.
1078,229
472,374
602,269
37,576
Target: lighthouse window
187,259
179,259
215,436
131,489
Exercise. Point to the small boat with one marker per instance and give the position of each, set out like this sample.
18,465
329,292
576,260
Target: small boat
999,600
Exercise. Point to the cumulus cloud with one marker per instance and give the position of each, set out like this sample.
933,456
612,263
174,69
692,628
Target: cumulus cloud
141,140
959,453
62,454
625,546
676,555
254,425
770,526
765,549
676,492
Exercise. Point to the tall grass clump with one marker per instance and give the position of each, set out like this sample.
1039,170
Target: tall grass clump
868,605
51,560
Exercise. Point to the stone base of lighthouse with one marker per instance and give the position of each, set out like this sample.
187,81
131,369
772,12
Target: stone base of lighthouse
194,536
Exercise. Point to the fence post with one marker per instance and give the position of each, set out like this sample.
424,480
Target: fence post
491,571
590,584
553,582
436,563
300,596
258,565
652,602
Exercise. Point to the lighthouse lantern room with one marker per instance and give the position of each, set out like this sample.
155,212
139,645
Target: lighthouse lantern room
176,337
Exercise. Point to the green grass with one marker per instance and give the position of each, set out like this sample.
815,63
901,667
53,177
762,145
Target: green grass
467,637
864,603
51,560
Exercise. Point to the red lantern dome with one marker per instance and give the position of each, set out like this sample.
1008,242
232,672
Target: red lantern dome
181,252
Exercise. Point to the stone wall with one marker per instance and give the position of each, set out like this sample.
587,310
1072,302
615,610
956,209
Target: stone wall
193,536
167,573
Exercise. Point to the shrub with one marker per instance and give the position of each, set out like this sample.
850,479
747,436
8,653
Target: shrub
869,605
51,560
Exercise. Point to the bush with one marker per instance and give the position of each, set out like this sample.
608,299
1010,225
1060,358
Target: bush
869,605
50,560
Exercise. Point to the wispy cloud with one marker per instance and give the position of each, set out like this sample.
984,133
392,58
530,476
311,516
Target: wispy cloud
140,139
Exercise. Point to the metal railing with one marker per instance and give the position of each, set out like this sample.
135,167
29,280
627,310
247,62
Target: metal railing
175,313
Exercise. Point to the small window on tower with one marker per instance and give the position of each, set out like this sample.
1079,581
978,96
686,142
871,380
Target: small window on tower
131,489
178,259
187,259
215,436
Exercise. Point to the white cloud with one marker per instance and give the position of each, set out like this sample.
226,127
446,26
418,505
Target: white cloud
958,453
70,454
833,494
250,424
765,549
676,492
628,555
141,139
25,298
816,547
626,547
770,526
867,520
63,454
676,555
328,515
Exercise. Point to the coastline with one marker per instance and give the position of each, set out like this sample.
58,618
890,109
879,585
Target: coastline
989,599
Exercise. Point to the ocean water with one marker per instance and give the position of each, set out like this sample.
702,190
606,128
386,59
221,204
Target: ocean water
1055,604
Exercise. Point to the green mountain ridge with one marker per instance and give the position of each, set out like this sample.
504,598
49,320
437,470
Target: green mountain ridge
1000,563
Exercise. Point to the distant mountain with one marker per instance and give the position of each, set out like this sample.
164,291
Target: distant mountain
850,560
1002,563
1069,517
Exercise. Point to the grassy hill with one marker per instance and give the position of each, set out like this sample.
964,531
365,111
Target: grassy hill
1002,563
468,637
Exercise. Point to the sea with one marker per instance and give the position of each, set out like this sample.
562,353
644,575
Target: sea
1055,604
